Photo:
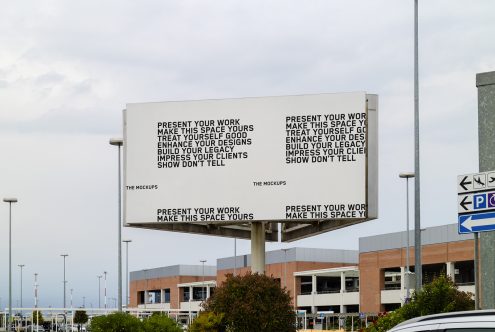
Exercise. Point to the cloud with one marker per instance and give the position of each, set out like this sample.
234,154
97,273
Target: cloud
68,120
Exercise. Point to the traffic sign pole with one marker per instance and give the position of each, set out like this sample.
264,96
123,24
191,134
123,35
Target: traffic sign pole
485,83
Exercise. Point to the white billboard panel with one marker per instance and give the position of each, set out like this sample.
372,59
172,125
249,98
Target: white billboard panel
284,159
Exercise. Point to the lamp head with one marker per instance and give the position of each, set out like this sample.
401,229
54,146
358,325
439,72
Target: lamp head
10,200
116,141
406,175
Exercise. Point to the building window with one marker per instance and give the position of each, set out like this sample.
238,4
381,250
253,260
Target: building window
166,295
391,278
186,295
464,273
154,296
306,285
199,293
433,271
352,284
141,297
325,285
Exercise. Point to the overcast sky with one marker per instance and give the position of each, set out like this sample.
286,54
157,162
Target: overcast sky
68,68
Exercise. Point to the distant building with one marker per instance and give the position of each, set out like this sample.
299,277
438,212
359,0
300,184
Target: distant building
343,281
172,287
382,262
286,266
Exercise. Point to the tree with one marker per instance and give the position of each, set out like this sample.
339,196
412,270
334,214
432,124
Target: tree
37,317
253,302
80,317
207,322
441,295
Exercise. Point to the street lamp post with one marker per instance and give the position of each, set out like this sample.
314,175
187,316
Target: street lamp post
36,290
10,200
105,287
99,291
119,142
127,272
65,281
407,176
21,266
203,261
418,268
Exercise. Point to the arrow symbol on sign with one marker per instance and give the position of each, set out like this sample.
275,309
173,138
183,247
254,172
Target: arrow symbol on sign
470,223
491,179
464,183
464,203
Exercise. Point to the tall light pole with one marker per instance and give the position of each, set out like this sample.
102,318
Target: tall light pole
21,266
65,281
119,142
36,290
127,272
105,286
84,302
71,290
417,221
10,200
203,261
99,291
407,176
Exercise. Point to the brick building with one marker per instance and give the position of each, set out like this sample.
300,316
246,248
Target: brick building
372,279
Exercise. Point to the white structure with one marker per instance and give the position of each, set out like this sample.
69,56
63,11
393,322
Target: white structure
344,293
194,299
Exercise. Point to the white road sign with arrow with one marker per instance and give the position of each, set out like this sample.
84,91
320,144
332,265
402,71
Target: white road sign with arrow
476,202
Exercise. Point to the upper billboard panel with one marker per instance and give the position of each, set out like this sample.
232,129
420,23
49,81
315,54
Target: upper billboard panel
284,159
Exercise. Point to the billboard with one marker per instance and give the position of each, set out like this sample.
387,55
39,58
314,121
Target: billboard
210,164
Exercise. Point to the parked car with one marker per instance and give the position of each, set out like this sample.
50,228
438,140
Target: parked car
461,321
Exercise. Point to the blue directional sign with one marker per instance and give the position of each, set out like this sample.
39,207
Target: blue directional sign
476,202
476,222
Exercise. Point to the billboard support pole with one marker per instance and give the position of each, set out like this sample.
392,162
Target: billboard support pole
258,247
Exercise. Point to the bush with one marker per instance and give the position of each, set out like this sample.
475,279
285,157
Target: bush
253,302
116,322
207,322
441,295
160,323
122,322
